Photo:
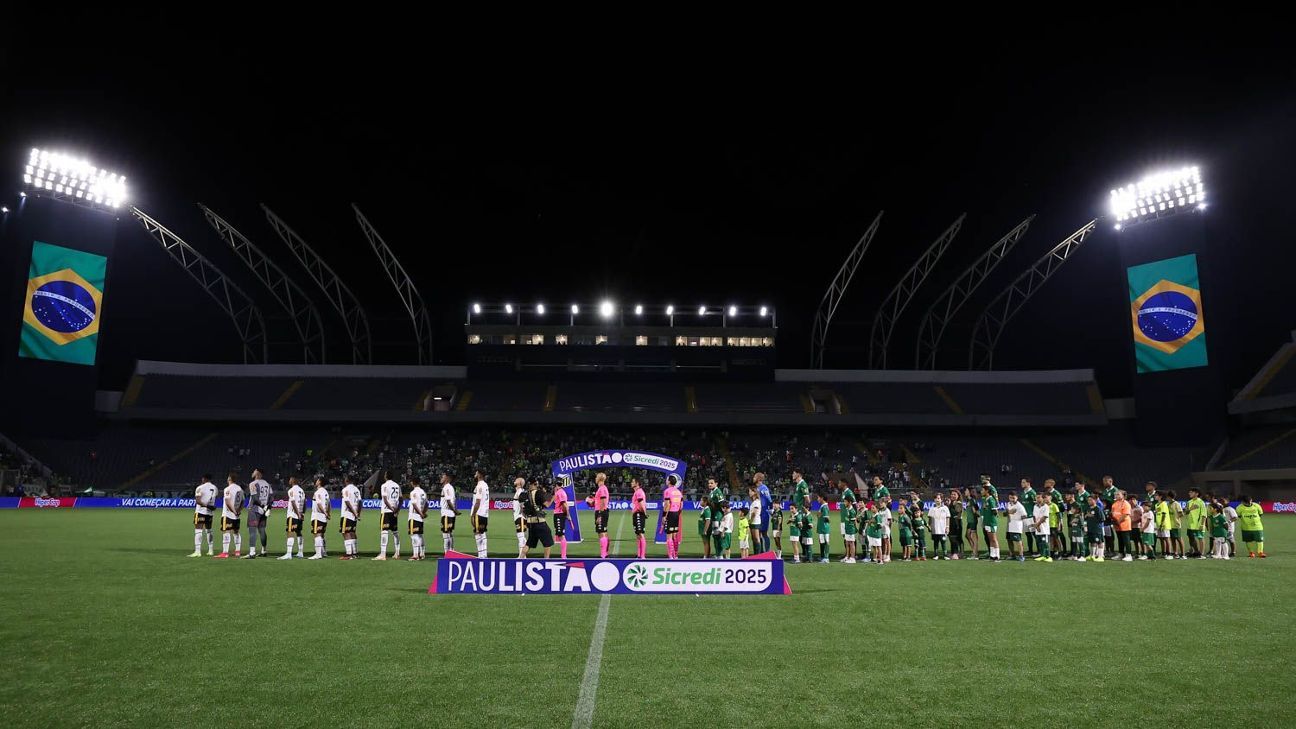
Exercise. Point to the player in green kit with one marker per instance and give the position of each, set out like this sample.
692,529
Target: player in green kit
1108,498
800,490
873,532
849,527
794,530
1027,499
1252,527
1219,533
905,521
847,496
880,494
919,519
990,517
823,527
1094,520
705,522
1075,528
776,527
807,535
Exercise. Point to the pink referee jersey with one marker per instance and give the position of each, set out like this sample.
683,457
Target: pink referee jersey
560,501
601,498
674,498
638,502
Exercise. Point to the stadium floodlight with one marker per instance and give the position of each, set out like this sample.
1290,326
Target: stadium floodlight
701,311
540,309
1158,195
638,309
733,310
764,311
73,179
575,309
476,308
508,308
670,310
4,209
605,309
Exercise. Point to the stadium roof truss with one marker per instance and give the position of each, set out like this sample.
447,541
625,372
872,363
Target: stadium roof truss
343,300
405,288
898,300
240,307
942,311
989,327
303,312
836,290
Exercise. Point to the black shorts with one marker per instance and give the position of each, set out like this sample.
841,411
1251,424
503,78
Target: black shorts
479,524
229,525
672,522
640,520
347,525
415,526
520,525
601,521
293,526
388,522
202,521
447,524
539,534
560,524
318,527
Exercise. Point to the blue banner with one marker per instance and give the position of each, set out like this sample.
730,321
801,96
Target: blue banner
564,467
465,575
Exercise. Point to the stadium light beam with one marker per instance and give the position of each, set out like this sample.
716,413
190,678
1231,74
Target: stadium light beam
606,309
476,308
1158,195
73,179
764,311
508,308
575,309
638,309
540,309
701,311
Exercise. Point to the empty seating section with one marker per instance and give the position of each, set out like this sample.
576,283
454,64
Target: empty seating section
357,393
506,396
1112,451
623,398
1283,381
1263,447
115,455
890,397
774,397
232,393
1062,398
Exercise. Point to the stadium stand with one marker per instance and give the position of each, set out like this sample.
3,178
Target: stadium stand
607,397
218,393
1271,446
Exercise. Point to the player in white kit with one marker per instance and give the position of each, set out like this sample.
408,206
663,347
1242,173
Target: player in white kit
231,509
293,522
448,513
204,502
519,521
418,503
350,519
321,509
480,511
391,498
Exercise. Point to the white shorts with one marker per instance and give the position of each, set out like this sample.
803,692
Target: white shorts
990,529
1230,534
875,541
886,532
842,529
850,538
1077,540
823,538
744,544
1163,533
807,541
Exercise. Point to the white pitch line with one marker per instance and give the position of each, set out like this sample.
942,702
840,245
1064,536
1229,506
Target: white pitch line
584,716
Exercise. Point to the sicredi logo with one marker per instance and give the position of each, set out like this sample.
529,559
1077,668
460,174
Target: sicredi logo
698,576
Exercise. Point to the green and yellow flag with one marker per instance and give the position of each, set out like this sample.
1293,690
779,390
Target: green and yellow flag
63,305
1166,313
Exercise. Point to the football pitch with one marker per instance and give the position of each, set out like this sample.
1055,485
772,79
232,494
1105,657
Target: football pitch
107,622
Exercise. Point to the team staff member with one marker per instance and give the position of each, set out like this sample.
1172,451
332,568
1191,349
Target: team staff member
537,529
293,523
448,513
1121,519
204,502
1252,527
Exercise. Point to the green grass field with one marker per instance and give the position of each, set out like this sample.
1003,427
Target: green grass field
106,622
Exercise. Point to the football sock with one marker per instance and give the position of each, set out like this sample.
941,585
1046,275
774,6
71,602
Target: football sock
198,535
225,541
382,544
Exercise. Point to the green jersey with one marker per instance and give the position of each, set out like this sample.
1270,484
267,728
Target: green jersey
802,494
824,524
1075,521
1082,500
716,498
875,523
848,496
1219,525
1027,500
1094,519
794,524
1109,495
848,519
990,511
776,518
920,523
882,494
1249,517
1197,514
807,524
906,522
704,516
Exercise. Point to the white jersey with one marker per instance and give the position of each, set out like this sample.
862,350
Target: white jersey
517,504
1041,514
205,492
417,503
233,494
1016,513
351,502
447,500
940,518
390,492
754,514
320,505
1149,520
482,495
726,524
296,501
1231,514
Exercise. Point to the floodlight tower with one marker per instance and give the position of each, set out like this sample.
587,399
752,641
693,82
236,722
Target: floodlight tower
72,179
1158,195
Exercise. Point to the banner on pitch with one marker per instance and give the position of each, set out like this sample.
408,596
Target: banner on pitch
564,467
460,574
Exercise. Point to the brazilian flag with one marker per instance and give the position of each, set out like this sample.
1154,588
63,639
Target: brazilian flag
1166,314
63,305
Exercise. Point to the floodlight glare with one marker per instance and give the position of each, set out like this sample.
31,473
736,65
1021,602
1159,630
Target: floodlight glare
701,311
540,308
764,311
508,308
4,209
733,310
639,309
575,309
73,179
1157,195
605,309
670,310
476,308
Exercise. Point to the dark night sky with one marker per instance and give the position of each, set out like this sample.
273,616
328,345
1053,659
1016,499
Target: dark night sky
559,171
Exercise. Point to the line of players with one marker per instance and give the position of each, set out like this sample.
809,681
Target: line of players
257,502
